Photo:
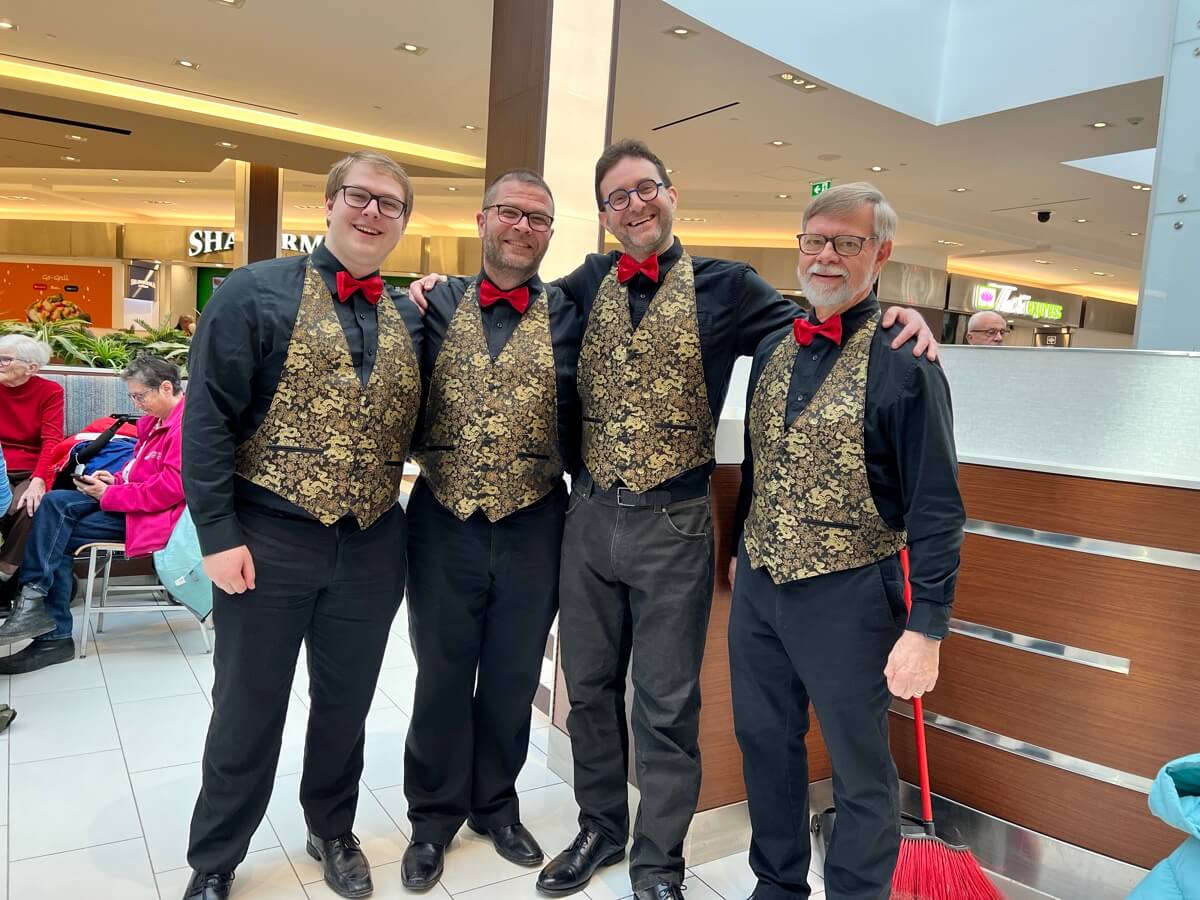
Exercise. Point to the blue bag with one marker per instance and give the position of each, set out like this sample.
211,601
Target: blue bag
180,569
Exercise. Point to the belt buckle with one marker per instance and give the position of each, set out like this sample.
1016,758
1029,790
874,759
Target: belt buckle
628,491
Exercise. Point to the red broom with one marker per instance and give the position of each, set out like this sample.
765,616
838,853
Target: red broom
930,868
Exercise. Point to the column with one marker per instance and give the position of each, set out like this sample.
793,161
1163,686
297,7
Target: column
1168,313
257,212
550,108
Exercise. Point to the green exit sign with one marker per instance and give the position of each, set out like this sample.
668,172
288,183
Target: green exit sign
819,187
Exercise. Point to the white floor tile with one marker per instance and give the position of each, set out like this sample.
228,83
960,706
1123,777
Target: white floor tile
611,883
5,688
165,732
731,876
68,723
540,738
144,673
4,790
4,864
187,632
131,631
394,802
536,773
68,804
165,799
202,667
295,727
78,674
387,887
398,684
551,816
382,841
521,888
265,875
119,871
384,753
398,654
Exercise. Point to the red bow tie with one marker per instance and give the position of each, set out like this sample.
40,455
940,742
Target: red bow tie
347,284
805,331
518,297
627,267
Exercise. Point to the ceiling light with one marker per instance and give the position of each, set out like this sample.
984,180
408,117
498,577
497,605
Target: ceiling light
69,158
114,179
1081,221
452,188
14,197
77,137
1135,234
1098,125
471,127
670,171
1137,187
310,206
162,202
186,64
787,76
225,145
1101,274
778,144
6,25
1042,262
811,87
232,4
878,169
959,190
181,181
692,219
784,196
680,31
949,243
414,49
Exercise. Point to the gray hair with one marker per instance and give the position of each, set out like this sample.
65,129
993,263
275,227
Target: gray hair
849,198
153,371
26,349
524,176
978,317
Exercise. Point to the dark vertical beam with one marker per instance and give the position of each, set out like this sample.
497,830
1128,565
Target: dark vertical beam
520,81
263,213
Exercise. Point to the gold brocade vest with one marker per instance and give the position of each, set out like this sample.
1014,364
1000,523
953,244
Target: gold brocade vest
812,512
646,416
490,439
328,445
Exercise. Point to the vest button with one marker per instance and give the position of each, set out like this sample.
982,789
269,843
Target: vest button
815,357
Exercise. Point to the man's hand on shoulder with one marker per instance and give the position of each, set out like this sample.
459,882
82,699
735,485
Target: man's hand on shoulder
418,289
915,326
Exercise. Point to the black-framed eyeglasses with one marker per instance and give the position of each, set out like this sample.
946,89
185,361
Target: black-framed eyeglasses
511,215
843,244
359,198
646,189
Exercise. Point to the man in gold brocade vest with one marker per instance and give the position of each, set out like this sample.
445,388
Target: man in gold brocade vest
500,423
849,456
304,392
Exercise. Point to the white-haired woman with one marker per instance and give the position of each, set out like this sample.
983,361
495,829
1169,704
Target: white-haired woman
31,425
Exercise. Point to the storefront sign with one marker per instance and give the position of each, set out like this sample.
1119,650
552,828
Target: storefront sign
201,242
48,292
1007,300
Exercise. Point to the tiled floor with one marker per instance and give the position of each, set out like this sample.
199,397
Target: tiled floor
99,772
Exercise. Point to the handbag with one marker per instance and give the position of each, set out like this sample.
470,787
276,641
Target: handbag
180,568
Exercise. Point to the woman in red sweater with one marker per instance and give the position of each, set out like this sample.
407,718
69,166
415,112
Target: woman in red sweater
31,425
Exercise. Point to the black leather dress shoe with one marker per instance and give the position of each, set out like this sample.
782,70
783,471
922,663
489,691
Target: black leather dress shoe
661,891
572,869
512,842
347,871
422,865
209,886
37,655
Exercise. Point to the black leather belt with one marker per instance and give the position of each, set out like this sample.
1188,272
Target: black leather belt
624,498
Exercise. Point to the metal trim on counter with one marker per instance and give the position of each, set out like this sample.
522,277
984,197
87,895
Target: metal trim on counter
1127,476
1067,763
1155,556
1094,658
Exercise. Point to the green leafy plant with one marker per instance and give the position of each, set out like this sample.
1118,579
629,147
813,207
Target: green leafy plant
73,343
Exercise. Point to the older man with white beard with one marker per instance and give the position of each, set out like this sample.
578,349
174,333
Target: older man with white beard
849,457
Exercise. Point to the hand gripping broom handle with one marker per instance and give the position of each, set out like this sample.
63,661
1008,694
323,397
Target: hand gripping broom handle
919,720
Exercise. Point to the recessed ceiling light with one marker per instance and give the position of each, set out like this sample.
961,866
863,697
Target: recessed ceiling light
233,4
226,145
414,49
78,138
670,171
949,243
69,158
6,25
1042,262
959,190
181,181
1101,274
310,206
680,31
186,64
692,219
1098,125
14,197
787,76
784,196
878,169
1081,221
1137,187
811,87
778,144
1135,234
162,202
452,188
471,127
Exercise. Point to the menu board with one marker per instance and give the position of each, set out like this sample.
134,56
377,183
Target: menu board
50,292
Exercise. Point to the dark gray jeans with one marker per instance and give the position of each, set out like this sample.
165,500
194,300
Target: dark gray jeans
636,581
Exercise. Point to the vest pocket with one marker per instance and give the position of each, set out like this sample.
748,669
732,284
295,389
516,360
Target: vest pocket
287,448
824,523
545,456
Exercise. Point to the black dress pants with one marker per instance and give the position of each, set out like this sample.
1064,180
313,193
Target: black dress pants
336,589
824,639
482,596
636,582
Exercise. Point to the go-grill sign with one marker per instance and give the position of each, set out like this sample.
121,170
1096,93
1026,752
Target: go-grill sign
202,242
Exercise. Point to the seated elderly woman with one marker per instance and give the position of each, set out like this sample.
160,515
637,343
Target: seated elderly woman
140,506
31,425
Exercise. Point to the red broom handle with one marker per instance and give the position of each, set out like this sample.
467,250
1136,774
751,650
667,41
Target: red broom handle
919,719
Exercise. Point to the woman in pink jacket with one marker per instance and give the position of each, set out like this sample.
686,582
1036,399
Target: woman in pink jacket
139,506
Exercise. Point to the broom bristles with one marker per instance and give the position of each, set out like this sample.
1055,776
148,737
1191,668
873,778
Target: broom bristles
930,869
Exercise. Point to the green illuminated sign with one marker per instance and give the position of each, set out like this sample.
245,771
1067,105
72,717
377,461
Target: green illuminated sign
819,187
1004,299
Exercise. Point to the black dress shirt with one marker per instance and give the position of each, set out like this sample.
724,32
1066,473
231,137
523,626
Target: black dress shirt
735,310
499,322
912,466
235,363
